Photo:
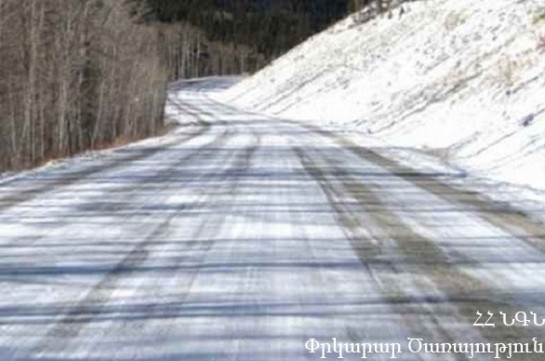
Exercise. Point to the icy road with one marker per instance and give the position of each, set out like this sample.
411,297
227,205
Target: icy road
245,237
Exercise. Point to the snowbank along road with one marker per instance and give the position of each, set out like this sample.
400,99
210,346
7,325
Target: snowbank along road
246,236
461,79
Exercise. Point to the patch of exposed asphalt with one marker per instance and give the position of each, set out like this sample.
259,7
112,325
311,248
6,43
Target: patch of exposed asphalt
500,214
414,257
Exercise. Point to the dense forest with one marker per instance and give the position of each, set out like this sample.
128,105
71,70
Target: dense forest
233,36
85,74
237,36
75,75
269,26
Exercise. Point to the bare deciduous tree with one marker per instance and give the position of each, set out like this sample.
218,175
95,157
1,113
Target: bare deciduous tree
75,74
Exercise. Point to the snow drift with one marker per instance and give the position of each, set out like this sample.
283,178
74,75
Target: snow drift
461,79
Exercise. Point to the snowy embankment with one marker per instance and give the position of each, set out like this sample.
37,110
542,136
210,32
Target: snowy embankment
460,80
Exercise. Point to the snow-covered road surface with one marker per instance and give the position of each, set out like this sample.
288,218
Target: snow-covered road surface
243,239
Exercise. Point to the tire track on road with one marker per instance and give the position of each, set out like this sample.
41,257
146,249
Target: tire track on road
70,325
84,312
500,214
420,257
65,179
26,195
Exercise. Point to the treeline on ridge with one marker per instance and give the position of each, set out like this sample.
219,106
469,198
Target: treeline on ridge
241,35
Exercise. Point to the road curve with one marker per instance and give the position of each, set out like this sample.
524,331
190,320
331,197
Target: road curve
247,237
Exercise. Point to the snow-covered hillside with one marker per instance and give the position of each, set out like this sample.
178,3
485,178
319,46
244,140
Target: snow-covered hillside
462,79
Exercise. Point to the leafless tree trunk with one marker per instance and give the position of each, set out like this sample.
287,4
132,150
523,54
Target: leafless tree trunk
75,74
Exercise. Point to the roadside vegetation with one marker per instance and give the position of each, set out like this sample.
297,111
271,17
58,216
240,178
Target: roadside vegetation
87,74
75,75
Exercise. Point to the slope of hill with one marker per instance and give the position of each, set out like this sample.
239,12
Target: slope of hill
463,80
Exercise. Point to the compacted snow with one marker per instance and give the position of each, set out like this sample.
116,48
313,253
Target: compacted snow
240,235
245,236
463,80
